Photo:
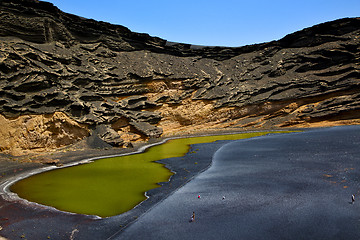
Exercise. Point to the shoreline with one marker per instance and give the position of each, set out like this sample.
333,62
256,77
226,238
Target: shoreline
38,222
5,183
185,171
11,166
295,186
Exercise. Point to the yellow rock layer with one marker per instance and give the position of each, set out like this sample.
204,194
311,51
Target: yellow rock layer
36,133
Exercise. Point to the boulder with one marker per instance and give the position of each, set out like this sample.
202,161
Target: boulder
147,129
109,135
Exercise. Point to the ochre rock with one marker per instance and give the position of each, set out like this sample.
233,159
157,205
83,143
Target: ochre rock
97,74
39,132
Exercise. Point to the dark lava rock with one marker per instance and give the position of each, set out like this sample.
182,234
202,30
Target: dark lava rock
137,103
97,72
109,135
147,129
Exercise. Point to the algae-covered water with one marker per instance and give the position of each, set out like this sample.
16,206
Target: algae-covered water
109,186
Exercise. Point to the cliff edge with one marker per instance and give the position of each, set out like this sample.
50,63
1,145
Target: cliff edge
64,79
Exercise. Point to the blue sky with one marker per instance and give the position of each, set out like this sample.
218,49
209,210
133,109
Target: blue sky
213,23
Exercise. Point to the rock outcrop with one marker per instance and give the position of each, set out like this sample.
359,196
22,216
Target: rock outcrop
39,132
127,86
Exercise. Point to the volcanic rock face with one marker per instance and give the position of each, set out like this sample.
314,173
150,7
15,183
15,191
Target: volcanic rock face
39,132
127,86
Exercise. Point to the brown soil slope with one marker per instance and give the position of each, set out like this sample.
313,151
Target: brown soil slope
64,78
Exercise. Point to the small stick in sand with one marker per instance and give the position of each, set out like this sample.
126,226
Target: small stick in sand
352,198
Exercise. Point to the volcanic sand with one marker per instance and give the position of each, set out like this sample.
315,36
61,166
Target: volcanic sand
284,186
287,186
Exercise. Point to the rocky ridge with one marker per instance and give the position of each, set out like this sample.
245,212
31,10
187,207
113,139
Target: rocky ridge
108,82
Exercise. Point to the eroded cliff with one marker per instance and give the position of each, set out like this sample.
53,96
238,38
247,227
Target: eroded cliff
124,87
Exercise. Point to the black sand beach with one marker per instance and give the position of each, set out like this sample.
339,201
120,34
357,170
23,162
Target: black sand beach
286,186
293,186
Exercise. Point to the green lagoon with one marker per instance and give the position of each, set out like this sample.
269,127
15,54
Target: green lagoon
109,186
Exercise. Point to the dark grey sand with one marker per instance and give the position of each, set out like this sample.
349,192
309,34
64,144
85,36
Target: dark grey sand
275,187
287,186
20,219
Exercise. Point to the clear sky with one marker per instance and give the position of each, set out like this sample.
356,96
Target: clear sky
211,22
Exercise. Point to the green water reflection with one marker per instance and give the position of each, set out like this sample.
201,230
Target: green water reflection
109,186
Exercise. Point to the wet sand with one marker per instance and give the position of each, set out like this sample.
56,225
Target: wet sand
288,186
